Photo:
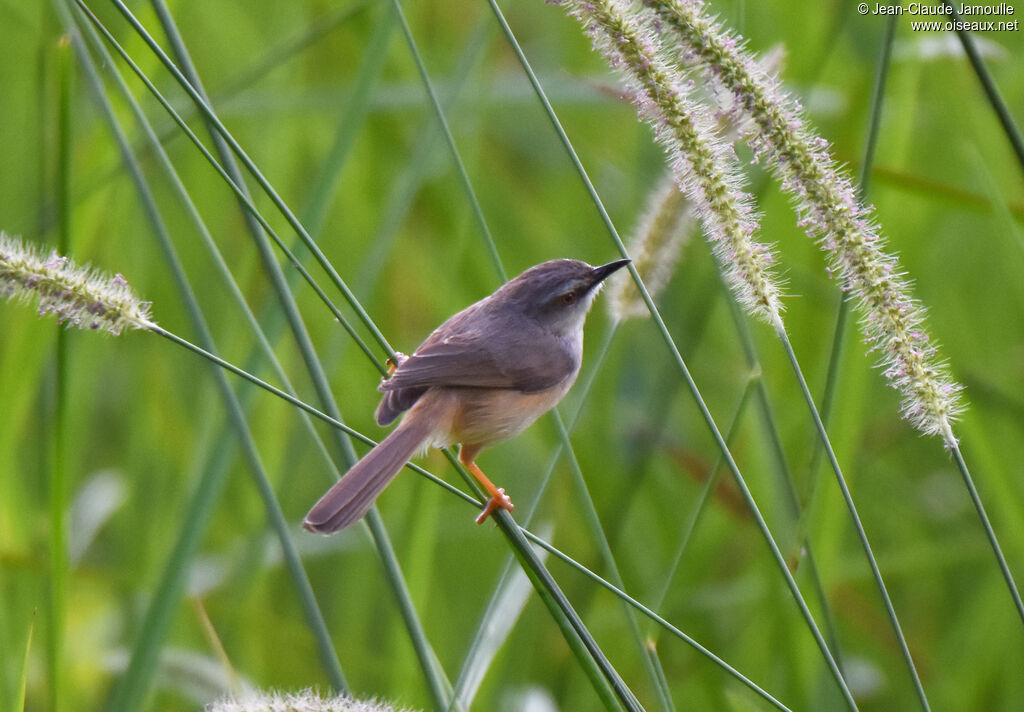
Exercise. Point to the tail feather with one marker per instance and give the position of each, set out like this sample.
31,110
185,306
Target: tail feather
350,498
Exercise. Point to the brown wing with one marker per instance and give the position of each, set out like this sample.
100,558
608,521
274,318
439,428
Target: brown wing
478,351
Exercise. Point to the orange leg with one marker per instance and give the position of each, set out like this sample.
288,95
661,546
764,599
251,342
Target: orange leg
498,500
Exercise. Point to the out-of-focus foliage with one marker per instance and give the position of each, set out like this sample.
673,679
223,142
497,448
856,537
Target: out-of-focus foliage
144,416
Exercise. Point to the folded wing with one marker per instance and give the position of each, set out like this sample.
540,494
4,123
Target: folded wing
488,356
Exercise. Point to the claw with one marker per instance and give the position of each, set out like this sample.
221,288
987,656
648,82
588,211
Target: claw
494,503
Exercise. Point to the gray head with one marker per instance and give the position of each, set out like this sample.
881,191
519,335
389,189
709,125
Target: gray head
557,293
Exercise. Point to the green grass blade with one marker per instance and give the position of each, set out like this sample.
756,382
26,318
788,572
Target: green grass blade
22,683
661,687
990,533
785,473
656,618
130,694
59,495
862,536
239,190
325,186
691,384
265,185
590,511
503,610
991,90
467,185
436,680
605,680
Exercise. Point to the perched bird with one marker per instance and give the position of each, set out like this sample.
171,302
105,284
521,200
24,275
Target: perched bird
483,376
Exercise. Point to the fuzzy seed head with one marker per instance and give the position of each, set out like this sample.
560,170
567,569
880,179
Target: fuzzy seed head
77,296
304,701
704,166
664,228
828,209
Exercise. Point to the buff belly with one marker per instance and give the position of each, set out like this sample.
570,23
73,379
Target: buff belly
481,416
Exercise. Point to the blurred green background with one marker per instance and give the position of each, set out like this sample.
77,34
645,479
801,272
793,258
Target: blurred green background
144,416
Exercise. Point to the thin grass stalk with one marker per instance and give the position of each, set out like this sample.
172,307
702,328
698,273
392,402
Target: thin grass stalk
876,572
792,498
502,612
403,190
437,681
654,617
467,184
59,494
1014,135
990,533
170,336
288,398
153,635
264,184
843,310
991,90
241,194
827,407
129,695
590,510
468,682
703,497
606,682
601,538
242,80
356,108
677,357
661,688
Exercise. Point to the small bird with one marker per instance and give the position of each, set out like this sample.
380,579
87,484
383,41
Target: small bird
483,376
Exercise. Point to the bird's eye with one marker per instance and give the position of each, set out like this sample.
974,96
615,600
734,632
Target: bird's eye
569,298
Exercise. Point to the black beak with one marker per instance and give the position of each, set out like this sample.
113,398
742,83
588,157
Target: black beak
604,271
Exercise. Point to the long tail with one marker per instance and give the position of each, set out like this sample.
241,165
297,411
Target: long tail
349,499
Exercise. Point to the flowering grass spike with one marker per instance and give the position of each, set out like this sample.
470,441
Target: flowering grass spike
704,165
305,701
77,296
664,228
828,207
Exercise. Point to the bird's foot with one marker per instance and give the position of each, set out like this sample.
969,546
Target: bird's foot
499,501
393,363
